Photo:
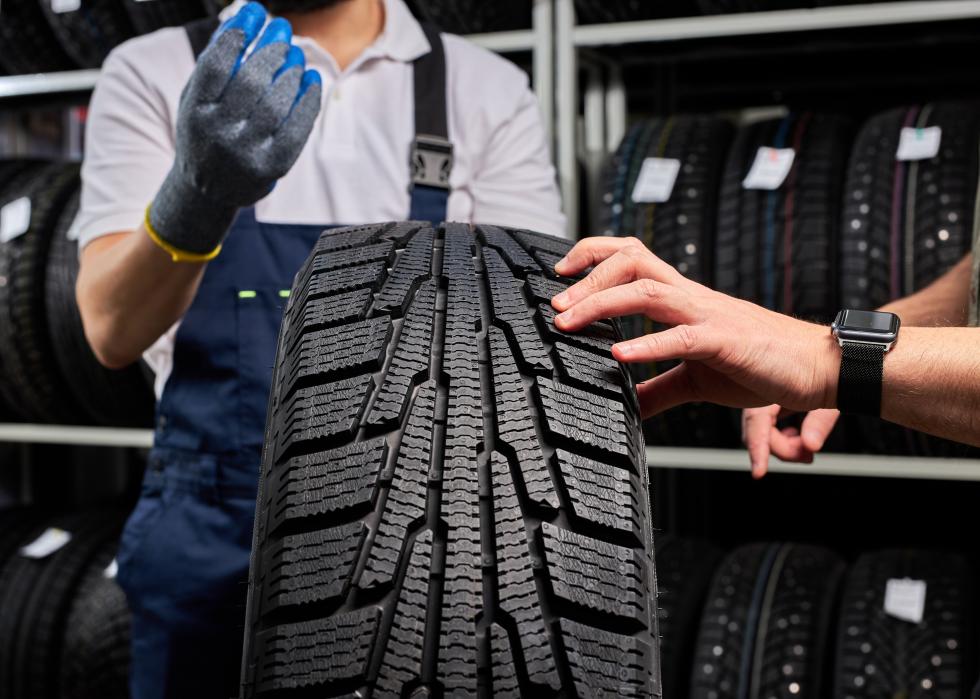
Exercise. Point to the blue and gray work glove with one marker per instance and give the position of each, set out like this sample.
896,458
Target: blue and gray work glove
241,125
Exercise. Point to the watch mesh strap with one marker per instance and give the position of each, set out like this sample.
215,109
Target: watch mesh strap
859,385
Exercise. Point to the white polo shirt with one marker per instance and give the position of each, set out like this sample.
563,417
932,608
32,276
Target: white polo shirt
354,168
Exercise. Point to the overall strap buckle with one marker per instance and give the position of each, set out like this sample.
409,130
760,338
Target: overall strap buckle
432,161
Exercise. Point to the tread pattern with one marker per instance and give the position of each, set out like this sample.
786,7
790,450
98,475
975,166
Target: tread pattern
460,508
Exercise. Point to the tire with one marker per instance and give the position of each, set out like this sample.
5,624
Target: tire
95,657
480,522
32,384
29,44
120,398
685,568
149,15
38,593
89,33
881,656
477,16
779,248
766,626
596,11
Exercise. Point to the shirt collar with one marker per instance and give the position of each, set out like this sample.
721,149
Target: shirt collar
402,38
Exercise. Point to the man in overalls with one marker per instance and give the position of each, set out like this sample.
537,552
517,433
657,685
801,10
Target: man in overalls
200,203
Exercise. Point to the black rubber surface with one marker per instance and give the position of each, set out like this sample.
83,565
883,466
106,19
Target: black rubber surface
95,657
881,656
149,15
594,11
28,43
90,32
685,568
32,384
767,622
37,595
453,497
122,398
476,16
779,248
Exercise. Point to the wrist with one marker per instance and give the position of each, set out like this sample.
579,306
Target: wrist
828,371
185,222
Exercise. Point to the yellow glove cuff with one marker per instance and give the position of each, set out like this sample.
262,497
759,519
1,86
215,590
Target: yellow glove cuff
176,254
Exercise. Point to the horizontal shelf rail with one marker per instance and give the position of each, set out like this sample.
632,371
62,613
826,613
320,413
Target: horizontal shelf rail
777,21
76,434
866,465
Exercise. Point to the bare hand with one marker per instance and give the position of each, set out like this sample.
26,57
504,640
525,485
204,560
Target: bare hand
734,353
762,438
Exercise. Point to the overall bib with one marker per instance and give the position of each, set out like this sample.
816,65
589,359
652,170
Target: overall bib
184,555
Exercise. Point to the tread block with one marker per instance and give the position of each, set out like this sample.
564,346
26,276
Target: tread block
592,421
548,260
463,577
322,413
598,337
606,664
367,276
608,578
503,670
411,358
293,566
350,237
599,371
317,653
539,241
518,591
311,485
600,493
515,424
327,312
511,309
411,267
402,661
510,250
325,354
407,493
404,229
543,289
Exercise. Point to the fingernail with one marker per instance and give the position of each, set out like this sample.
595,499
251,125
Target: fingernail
561,299
561,262
757,472
564,318
624,348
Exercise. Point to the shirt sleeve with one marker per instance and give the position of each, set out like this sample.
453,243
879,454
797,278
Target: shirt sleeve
516,185
129,146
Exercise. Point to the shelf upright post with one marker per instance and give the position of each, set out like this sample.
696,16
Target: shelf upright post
615,107
543,64
566,105
593,152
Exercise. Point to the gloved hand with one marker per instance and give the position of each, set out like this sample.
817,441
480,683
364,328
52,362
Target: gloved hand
241,125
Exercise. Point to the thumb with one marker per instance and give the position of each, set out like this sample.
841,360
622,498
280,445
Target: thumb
817,426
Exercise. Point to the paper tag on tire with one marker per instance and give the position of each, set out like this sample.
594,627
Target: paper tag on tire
919,144
61,6
770,168
50,541
15,219
655,183
905,599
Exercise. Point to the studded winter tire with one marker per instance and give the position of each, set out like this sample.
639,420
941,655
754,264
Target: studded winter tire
879,655
453,499
766,626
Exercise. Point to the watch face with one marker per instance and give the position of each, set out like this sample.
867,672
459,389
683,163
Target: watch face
867,326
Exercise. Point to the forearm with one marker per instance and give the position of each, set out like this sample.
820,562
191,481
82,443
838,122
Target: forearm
129,293
932,382
944,303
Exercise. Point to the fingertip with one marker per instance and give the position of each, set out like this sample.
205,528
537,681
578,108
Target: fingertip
277,30
622,351
249,20
812,440
310,79
561,301
294,59
758,471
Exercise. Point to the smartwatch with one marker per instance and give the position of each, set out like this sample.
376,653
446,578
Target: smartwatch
864,337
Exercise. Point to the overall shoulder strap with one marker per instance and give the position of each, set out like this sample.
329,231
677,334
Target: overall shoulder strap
432,153
199,34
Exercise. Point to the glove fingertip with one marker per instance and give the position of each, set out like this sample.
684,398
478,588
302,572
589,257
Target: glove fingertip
310,78
249,20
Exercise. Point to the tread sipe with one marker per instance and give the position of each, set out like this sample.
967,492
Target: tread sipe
453,496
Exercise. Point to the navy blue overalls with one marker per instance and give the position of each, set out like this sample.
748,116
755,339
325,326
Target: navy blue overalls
184,555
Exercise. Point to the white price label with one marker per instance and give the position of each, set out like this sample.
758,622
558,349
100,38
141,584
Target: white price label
655,182
905,599
111,570
62,6
15,219
919,144
770,168
50,541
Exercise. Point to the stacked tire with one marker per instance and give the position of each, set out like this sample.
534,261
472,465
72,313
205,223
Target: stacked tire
50,566
476,16
48,372
906,223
